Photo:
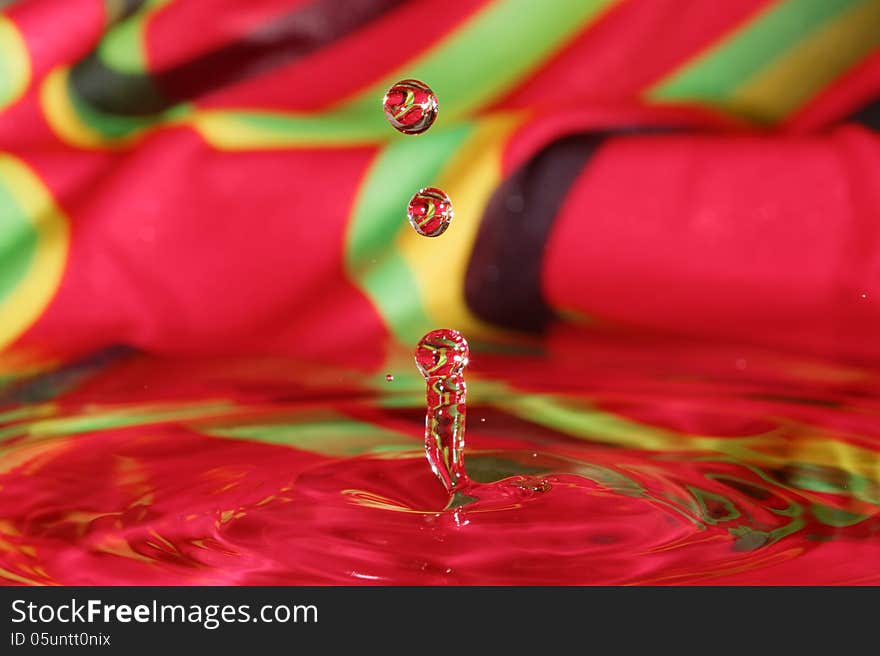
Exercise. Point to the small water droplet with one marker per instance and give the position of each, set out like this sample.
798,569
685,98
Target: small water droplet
430,212
442,353
410,106
483,419
389,378
864,295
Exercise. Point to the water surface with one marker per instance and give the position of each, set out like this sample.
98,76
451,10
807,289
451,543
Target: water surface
657,462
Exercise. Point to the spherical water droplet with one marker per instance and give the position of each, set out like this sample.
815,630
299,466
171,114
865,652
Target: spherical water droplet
430,212
389,378
410,106
442,352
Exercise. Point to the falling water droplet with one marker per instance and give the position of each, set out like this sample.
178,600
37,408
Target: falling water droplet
410,106
441,357
389,378
442,353
430,212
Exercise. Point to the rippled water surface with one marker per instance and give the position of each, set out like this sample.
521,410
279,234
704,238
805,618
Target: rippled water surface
622,463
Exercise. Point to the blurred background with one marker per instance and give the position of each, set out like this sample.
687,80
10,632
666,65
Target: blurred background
195,177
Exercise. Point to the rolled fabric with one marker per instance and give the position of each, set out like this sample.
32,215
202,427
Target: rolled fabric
756,238
766,240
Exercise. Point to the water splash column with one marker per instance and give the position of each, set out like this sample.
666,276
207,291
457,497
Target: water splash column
441,357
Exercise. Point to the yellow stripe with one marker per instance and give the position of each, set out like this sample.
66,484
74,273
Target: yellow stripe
440,263
225,133
16,63
231,130
816,449
20,308
808,67
62,117
60,113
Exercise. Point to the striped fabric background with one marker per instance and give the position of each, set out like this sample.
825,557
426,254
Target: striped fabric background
189,177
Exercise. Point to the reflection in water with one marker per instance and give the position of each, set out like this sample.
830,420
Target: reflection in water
625,464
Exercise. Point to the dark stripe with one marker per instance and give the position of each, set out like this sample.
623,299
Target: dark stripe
125,8
274,44
869,115
113,92
51,384
503,280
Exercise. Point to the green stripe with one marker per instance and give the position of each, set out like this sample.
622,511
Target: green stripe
717,73
18,242
24,412
341,127
107,419
379,215
836,517
123,47
587,422
339,436
816,478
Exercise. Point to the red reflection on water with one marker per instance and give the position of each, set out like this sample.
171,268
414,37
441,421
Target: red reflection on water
656,465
